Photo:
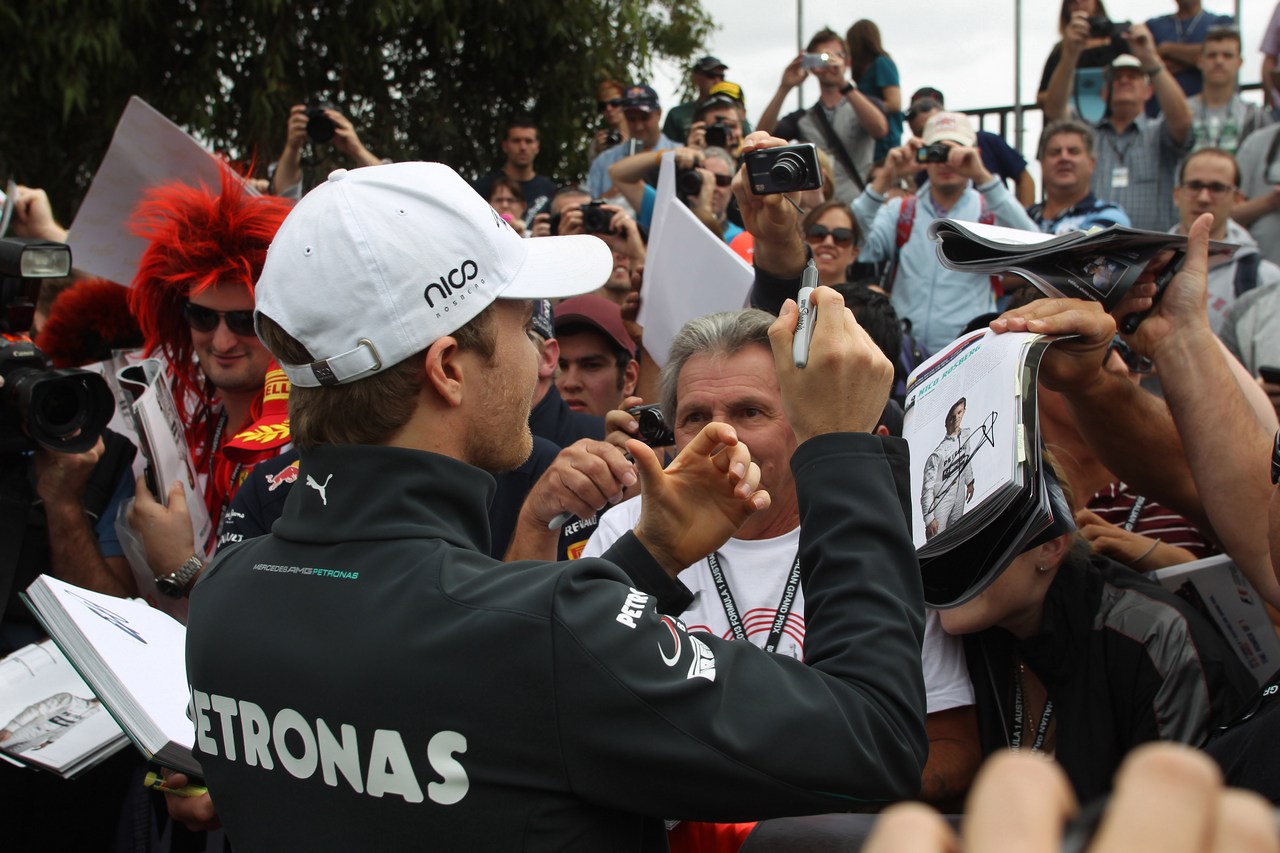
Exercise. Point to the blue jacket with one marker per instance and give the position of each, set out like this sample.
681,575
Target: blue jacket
939,302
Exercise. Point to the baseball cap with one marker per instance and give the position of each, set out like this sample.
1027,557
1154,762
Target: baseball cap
928,92
715,100
709,63
376,264
270,429
1124,60
543,319
640,97
733,90
599,313
949,126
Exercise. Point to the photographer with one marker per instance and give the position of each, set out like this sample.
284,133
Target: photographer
717,123
703,183
305,124
844,122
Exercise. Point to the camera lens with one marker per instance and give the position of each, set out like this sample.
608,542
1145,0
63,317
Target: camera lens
690,182
319,126
788,170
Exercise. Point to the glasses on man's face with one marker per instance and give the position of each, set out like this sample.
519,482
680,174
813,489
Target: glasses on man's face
1216,189
204,319
724,180
612,103
714,75
1136,363
818,233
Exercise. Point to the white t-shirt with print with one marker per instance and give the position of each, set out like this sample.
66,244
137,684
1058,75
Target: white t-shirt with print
756,573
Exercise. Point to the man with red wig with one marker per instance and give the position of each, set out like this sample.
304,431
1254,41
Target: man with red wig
193,297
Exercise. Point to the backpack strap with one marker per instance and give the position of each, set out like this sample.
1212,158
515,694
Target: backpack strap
1246,277
906,219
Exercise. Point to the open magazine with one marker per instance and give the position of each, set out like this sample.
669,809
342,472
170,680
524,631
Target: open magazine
1218,589
132,656
144,394
49,717
1099,265
977,486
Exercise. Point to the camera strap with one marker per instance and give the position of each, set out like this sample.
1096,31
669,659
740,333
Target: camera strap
836,146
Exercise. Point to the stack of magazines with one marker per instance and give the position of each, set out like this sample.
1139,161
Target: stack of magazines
979,492
1099,265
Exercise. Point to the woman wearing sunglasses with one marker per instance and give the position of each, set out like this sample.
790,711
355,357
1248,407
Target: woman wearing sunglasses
833,235
613,122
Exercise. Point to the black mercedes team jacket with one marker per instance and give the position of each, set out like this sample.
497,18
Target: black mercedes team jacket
366,679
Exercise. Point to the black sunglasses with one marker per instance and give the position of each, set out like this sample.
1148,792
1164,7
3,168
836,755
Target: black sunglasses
818,233
204,319
1136,363
724,180
612,102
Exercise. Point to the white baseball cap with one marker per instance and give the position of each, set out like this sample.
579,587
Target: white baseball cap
376,264
952,126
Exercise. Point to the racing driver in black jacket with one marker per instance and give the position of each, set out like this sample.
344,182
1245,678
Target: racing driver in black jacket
367,678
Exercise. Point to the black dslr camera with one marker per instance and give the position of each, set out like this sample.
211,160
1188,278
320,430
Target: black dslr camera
63,410
653,426
1102,27
595,219
717,135
788,169
319,126
935,153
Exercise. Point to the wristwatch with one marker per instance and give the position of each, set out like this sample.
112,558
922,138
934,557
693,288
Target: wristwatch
846,88
177,584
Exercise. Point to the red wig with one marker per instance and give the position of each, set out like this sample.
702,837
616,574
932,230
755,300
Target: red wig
197,239
86,322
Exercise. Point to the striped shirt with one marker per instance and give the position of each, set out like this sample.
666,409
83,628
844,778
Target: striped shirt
1116,504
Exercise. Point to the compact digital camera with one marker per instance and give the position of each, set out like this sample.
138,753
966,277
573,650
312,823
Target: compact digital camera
788,169
654,430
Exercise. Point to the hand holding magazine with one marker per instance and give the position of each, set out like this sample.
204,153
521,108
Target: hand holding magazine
1101,265
979,490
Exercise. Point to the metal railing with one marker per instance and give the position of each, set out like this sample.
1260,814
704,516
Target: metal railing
1005,117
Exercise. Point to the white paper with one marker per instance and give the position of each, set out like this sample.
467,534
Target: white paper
982,368
146,150
29,678
689,272
132,655
1234,605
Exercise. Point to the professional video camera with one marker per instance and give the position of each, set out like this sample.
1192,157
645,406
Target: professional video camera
63,410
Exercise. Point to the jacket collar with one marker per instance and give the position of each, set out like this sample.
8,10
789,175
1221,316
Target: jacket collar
351,493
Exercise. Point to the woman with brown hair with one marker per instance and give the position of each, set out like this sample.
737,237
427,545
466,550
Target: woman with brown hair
833,235
877,77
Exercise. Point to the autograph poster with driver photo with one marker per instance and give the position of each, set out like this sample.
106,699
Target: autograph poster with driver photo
961,422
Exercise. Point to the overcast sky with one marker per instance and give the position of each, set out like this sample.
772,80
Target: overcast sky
940,43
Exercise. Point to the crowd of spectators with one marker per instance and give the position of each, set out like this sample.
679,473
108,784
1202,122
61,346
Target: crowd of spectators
1156,440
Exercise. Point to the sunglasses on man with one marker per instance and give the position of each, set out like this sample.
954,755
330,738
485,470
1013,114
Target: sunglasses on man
204,319
612,102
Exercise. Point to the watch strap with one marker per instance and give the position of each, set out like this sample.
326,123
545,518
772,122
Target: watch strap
178,583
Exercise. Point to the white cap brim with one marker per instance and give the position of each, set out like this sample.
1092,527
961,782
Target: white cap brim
556,267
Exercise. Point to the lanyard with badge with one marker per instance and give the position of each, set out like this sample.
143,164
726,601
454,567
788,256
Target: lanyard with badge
731,612
1120,172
